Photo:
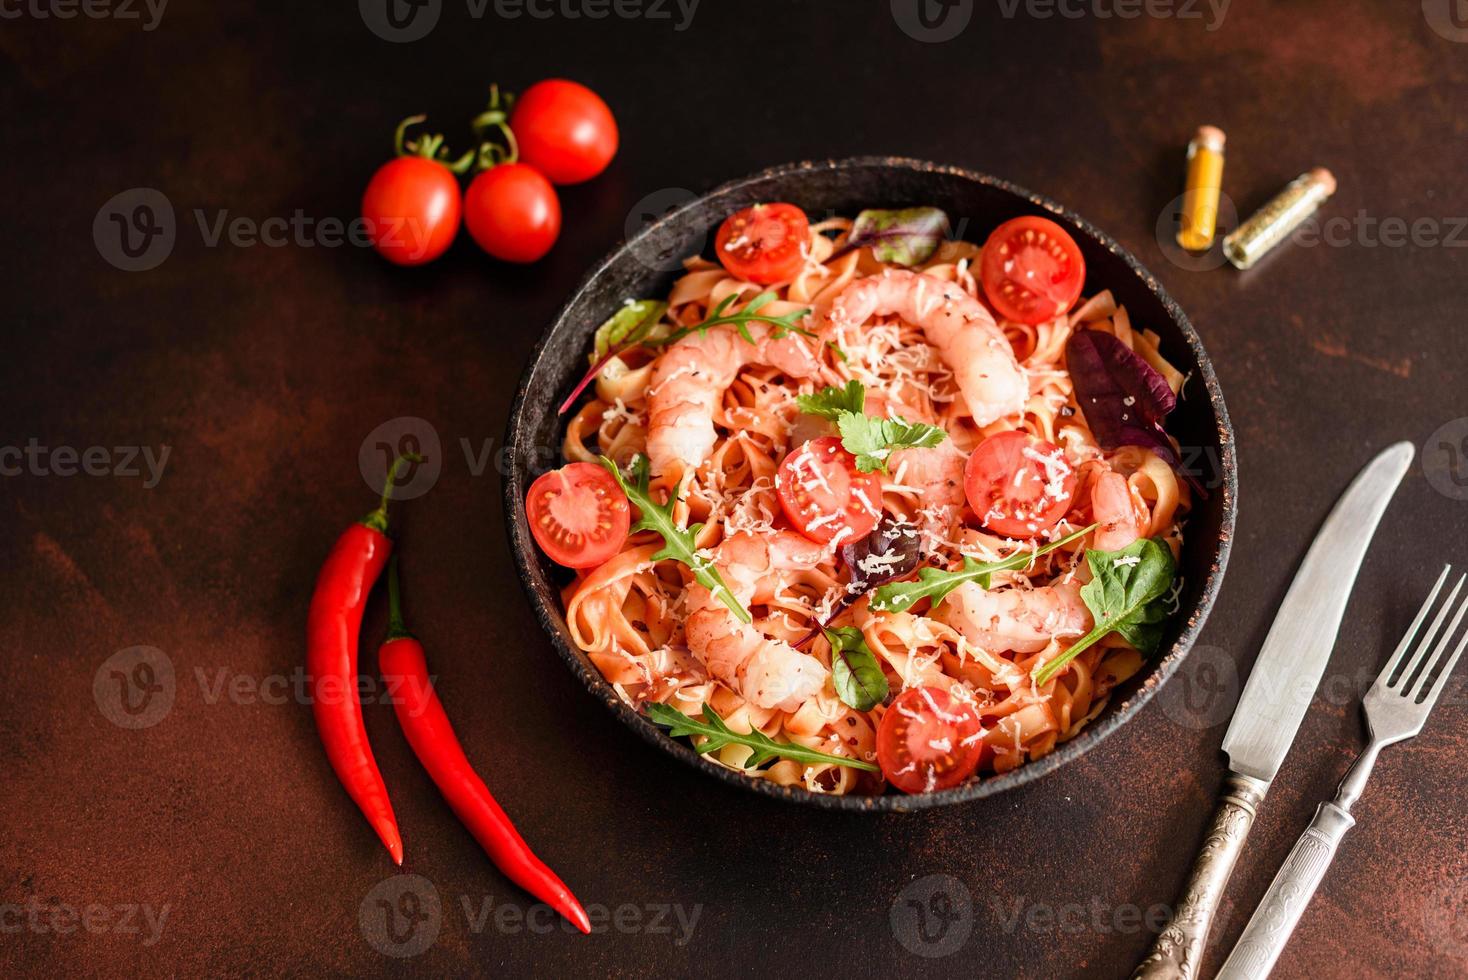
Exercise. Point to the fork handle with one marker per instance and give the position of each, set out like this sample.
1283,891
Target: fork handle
1274,920
1178,951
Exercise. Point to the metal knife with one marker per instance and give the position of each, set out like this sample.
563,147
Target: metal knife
1278,691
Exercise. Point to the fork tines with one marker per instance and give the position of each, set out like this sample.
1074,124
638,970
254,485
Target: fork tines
1411,681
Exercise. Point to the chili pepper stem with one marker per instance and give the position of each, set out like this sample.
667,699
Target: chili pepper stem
396,629
377,520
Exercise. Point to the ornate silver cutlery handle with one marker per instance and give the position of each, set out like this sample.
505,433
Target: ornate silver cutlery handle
1178,952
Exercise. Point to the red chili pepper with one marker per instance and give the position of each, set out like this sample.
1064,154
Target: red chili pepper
342,588
428,730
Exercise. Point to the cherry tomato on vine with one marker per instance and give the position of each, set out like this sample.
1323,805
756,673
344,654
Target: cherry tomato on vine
411,206
578,515
1020,486
929,741
764,244
564,130
1032,270
823,493
512,211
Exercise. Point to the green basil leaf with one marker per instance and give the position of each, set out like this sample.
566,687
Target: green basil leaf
1128,594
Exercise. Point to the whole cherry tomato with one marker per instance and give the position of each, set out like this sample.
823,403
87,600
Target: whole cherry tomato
411,205
564,130
512,212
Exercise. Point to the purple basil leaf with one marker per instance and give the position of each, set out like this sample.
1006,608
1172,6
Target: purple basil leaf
891,551
1123,397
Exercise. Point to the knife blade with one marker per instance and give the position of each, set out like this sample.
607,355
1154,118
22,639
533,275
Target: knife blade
1294,655
1279,689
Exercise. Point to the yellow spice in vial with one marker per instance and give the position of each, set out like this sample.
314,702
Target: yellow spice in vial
1200,194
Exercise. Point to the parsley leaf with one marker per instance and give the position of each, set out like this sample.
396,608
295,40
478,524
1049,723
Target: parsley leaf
678,543
784,324
716,735
871,440
1127,594
831,402
935,584
855,671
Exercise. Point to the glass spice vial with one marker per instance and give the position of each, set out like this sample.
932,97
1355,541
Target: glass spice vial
1201,192
1278,219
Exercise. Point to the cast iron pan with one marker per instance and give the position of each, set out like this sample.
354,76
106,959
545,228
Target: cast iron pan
645,267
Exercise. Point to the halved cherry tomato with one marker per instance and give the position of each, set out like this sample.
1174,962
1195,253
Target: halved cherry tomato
578,514
1018,485
764,244
564,130
824,494
928,740
411,209
1032,270
512,212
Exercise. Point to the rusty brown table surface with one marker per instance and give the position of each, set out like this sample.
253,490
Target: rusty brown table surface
216,840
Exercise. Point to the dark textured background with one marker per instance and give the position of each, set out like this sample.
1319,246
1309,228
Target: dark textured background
265,368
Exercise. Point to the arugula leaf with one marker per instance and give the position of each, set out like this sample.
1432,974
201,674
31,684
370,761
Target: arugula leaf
831,402
1127,594
871,440
717,735
935,584
906,236
678,543
784,324
857,675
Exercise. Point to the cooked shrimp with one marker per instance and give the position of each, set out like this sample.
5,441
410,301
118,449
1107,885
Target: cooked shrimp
691,377
1111,502
1018,619
991,381
937,472
767,672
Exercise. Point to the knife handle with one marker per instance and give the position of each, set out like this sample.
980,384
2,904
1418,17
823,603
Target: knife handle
1276,917
1178,951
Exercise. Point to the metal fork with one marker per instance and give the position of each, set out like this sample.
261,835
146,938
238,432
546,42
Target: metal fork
1396,708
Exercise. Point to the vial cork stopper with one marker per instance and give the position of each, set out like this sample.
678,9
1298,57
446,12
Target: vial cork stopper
1210,137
